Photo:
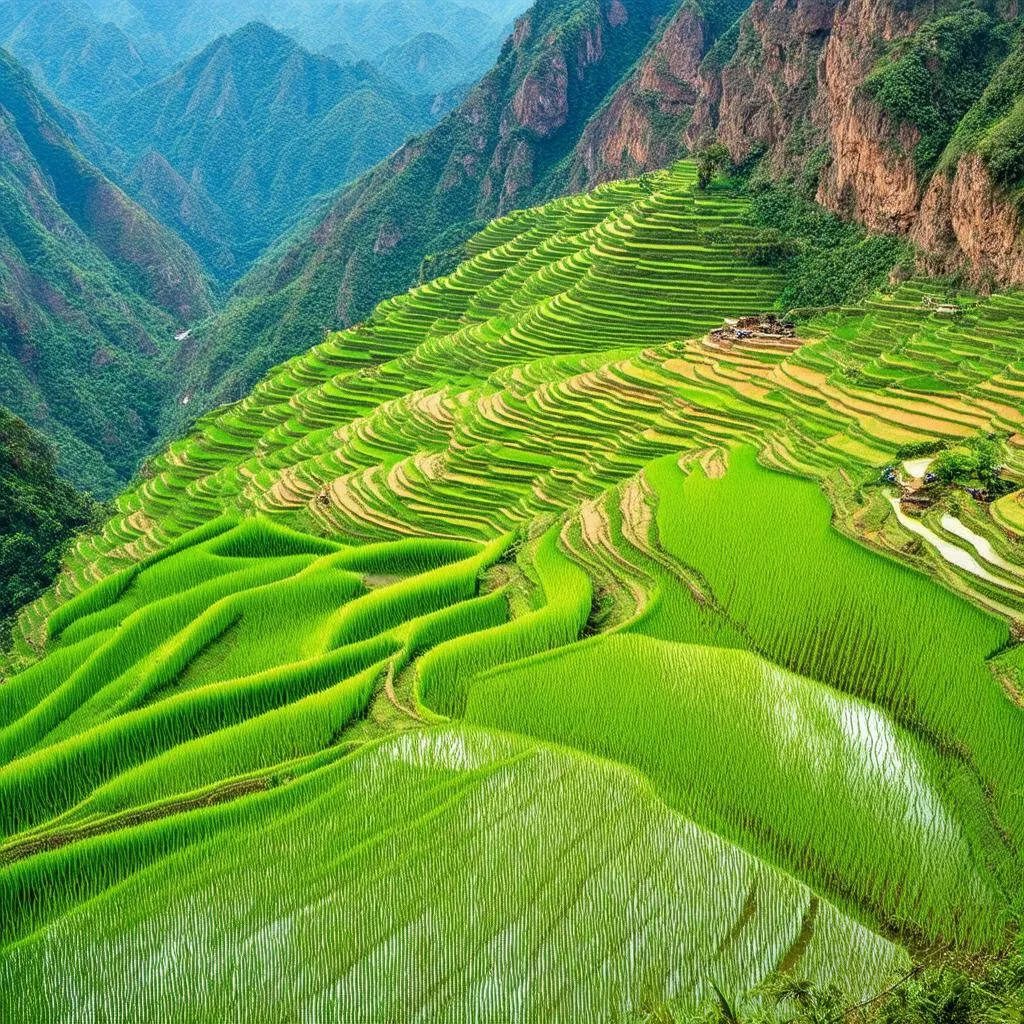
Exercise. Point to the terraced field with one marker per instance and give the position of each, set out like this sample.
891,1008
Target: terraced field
528,653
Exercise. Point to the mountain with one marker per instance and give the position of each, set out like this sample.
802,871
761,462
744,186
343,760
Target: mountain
92,291
232,146
426,63
354,31
84,62
506,145
904,117
551,646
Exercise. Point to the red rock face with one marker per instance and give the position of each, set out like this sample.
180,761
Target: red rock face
964,218
758,99
617,14
628,137
796,87
871,176
541,102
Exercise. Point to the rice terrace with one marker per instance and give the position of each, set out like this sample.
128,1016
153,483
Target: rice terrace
585,636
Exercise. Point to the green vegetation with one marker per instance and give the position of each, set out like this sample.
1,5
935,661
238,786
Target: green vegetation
826,261
932,78
300,125
936,994
92,291
83,61
711,161
1002,148
88,54
39,513
977,461
478,162
541,649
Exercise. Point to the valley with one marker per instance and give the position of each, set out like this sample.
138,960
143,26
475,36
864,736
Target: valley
536,619
512,513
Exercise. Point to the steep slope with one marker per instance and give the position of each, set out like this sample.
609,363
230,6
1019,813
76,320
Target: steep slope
504,146
256,126
92,291
644,124
881,128
533,622
904,117
39,513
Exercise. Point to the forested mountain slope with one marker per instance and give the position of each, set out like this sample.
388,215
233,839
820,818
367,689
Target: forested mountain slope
92,292
352,31
503,147
242,136
427,63
39,514
533,651
84,62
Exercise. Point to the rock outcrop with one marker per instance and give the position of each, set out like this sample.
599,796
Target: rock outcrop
965,216
792,90
795,91
643,125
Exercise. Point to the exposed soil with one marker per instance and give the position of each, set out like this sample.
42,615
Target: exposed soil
55,840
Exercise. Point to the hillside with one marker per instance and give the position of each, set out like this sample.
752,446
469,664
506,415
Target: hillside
39,514
904,117
353,30
92,292
232,146
427,63
84,62
533,651
502,148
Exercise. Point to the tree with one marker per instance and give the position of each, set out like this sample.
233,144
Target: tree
710,161
976,459
39,513
955,466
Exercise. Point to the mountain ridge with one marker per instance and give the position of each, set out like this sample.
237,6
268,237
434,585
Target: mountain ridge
502,147
255,126
92,290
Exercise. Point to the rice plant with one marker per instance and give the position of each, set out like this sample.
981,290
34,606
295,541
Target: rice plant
533,649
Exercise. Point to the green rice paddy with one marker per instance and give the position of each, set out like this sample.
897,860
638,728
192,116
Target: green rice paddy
529,653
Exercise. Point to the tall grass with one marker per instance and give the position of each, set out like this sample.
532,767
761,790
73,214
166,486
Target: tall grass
821,784
100,595
304,726
446,672
109,670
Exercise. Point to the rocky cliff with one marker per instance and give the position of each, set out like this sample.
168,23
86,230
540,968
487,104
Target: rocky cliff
803,88
875,106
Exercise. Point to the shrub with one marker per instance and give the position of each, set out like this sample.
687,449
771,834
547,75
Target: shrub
1002,148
